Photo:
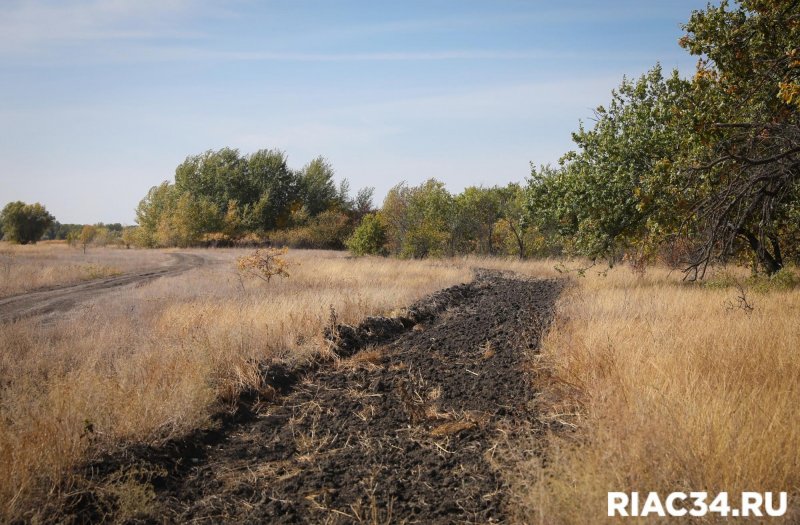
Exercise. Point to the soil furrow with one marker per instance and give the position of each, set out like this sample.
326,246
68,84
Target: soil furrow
401,431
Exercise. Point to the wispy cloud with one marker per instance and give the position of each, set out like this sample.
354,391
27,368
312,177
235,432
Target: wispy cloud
27,25
144,53
529,100
177,53
544,13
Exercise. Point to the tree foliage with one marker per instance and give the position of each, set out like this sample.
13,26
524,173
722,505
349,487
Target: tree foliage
747,109
620,189
225,195
369,238
712,161
24,223
428,221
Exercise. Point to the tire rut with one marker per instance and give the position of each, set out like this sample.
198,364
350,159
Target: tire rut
63,298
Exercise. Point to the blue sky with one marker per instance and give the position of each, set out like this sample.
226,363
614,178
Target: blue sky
100,100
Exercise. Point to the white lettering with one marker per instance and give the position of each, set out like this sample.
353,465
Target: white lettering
617,501
771,511
700,507
751,502
652,505
671,508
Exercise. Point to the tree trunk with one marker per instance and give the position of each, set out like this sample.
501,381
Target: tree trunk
518,236
771,262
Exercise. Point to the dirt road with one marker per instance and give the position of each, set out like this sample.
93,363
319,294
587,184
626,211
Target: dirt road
63,298
401,428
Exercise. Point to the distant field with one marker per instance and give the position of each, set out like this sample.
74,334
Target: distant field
51,263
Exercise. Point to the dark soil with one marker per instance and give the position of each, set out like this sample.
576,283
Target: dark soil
399,429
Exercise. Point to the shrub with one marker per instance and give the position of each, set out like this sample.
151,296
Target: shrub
25,223
369,238
328,230
264,264
784,279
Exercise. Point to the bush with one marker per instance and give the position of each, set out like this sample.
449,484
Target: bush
328,230
369,238
25,223
782,280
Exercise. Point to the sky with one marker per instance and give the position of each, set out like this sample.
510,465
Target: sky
102,99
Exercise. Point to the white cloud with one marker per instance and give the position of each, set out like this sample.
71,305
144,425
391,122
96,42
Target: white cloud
514,101
27,26
473,54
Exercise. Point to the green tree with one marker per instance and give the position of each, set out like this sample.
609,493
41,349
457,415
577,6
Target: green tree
277,191
746,106
318,187
429,221
24,223
362,204
394,213
153,214
476,210
620,190
219,176
192,217
369,238
511,202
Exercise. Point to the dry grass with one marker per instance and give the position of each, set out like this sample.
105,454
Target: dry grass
647,384
651,385
51,263
151,362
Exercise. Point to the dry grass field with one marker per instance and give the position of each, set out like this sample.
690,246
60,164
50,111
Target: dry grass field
52,263
150,362
649,384
645,383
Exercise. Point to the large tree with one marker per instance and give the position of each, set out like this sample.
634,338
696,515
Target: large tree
24,223
317,186
476,210
621,190
746,103
277,191
713,161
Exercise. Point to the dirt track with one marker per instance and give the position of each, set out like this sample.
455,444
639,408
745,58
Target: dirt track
399,429
61,298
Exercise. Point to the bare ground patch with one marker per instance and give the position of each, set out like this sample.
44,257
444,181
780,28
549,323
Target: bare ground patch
399,427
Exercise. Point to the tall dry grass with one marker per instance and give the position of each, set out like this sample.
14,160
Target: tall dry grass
147,363
654,385
52,263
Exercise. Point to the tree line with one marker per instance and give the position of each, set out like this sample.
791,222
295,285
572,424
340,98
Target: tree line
690,171
428,221
23,223
223,196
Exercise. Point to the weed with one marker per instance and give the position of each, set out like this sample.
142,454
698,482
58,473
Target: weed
265,264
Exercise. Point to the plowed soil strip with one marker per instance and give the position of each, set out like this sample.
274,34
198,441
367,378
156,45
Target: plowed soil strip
62,298
397,433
